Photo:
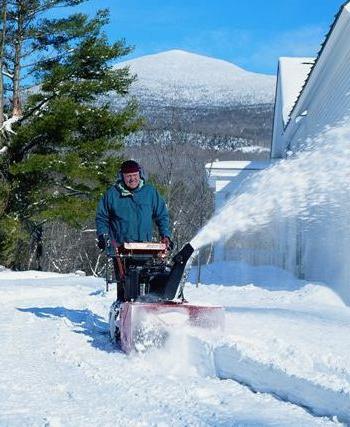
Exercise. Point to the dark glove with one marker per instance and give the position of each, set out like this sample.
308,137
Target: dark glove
168,243
101,243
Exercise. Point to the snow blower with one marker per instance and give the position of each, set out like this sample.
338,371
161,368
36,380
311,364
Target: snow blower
150,299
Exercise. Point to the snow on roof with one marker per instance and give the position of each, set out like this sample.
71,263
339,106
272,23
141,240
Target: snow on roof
238,165
293,73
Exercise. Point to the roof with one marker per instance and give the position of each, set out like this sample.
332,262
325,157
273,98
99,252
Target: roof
293,73
237,165
345,5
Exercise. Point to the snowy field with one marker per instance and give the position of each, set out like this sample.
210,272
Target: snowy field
282,359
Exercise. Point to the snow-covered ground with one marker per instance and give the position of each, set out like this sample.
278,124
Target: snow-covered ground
281,360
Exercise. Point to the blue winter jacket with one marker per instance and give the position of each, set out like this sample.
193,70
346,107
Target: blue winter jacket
127,216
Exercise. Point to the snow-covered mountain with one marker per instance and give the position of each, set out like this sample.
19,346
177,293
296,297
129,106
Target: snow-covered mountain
180,78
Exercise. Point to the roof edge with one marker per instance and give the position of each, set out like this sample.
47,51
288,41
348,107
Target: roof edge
344,6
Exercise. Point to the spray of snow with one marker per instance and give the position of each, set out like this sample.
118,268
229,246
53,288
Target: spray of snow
174,356
297,187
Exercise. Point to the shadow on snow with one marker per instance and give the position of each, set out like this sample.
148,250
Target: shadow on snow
85,322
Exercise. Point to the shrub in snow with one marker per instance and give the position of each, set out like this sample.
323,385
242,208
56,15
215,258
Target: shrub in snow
80,273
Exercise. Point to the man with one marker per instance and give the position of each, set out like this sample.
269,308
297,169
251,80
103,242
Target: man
126,211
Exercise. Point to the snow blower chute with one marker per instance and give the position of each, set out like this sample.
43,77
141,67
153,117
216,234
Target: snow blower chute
150,297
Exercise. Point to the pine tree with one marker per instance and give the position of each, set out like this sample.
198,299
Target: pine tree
59,138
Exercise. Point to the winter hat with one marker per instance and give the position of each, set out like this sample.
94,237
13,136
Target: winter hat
130,166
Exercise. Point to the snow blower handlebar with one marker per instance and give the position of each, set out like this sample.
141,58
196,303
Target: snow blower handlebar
118,260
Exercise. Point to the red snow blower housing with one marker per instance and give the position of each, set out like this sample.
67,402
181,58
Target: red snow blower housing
150,297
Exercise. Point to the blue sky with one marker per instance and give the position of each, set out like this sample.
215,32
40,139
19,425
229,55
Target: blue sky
249,33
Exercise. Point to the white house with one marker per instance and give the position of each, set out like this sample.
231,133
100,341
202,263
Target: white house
311,94
291,76
225,178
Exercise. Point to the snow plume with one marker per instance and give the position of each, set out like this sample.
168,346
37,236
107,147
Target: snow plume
173,356
299,187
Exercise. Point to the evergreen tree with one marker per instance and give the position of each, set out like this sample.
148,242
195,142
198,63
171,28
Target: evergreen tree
58,148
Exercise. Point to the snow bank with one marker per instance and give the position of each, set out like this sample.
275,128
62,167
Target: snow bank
289,340
240,273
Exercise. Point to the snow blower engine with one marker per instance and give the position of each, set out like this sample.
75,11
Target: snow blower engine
150,298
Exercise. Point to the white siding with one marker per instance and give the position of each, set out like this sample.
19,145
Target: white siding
321,250
226,178
291,76
277,147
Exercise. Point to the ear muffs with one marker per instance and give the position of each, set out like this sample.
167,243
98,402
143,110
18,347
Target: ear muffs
143,175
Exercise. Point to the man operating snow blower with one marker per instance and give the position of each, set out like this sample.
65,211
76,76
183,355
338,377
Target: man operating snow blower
126,213
149,285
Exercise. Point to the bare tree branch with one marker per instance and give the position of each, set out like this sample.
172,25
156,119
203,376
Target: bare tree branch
2,51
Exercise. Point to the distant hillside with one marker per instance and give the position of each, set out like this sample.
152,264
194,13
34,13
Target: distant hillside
179,78
206,102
